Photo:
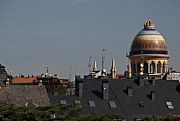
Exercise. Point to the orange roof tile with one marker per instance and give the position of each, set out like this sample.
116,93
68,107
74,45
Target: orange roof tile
24,80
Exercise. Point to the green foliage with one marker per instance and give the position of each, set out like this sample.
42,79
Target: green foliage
60,90
68,113
167,118
99,117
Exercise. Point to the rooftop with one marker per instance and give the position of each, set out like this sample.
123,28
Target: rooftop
138,104
24,95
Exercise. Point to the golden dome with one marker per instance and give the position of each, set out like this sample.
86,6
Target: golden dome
149,41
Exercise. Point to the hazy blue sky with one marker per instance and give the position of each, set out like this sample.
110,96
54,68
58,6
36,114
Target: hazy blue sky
64,33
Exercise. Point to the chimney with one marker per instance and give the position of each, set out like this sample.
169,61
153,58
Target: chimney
80,89
78,86
105,90
153,95
129,91
77,77
141,82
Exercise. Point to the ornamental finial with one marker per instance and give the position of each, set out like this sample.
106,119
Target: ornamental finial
149,24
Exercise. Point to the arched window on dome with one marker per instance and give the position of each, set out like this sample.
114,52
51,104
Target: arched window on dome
159,65
133,67
145,67
138,67
152,67
164,67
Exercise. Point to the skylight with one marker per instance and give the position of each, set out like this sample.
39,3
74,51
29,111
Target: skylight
91,104
63,102
112,104
169,105
77,102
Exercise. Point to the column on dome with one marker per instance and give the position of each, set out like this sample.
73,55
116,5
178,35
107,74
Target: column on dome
161,67
149,66
152,67
166,65
145,67
133,67
155,67
138,67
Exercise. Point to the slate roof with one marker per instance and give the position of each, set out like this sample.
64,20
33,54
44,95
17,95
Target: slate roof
129,107
24,95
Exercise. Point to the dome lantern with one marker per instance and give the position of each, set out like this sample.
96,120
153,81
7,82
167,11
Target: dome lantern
149,24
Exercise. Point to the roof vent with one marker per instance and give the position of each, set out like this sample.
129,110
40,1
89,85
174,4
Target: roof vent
141,103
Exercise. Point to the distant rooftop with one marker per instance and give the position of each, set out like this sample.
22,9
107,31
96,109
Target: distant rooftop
24,95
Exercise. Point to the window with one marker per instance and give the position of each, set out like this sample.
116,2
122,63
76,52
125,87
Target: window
91,104
152,67
159,65
112,104
77,102
169,105
145,67
164,67
63,102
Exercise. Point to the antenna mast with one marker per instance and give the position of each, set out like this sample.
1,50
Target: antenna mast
103,58
47,69
70,73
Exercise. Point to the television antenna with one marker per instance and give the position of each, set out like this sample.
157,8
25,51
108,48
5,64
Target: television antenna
103,59
47,69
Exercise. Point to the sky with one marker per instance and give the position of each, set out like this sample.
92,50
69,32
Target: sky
63,34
